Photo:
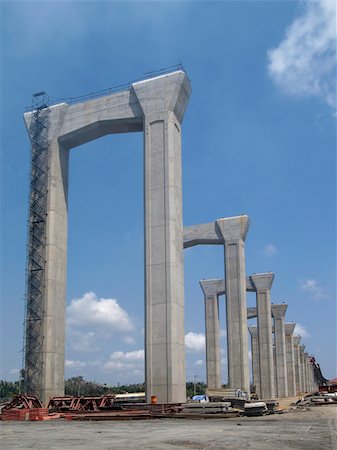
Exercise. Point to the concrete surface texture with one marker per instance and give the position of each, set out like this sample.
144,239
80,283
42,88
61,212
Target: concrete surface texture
212,289
155,106
290,357
298,368
212,333
234,231
302,363
255,359
263,283
313,429
230,232
306,365
263,369
280,350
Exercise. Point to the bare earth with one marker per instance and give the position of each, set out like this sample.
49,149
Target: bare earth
312,429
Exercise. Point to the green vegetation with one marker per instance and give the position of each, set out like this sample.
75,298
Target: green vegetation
8,389
195,388
78,386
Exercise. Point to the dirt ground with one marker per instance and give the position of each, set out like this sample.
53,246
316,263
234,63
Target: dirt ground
313,429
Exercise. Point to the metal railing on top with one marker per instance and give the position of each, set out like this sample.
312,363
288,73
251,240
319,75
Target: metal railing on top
121,87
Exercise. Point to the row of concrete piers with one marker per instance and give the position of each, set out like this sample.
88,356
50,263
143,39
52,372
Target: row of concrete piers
280,367
156,107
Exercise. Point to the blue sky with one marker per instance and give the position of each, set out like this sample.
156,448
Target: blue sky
258,139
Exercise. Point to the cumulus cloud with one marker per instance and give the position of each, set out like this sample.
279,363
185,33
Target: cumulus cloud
129,340
90,310
130,361
74,364
199,362
270,250
312,286
304,63
300,330
195,342
136,355
82,341
223,333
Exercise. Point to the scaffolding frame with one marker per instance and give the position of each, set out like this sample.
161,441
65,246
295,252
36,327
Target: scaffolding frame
36,245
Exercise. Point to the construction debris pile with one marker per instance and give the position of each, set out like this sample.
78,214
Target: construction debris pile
109,407
317,399
24,408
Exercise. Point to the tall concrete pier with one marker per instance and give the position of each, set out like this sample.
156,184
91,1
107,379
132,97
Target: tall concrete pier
263,283
306,366
280,350
303,371
211,288
234,231
230,232
155,106
290,356
253,330
298,367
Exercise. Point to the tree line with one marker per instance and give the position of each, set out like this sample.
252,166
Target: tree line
78,386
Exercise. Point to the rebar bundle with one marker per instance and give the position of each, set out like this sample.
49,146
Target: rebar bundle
36,250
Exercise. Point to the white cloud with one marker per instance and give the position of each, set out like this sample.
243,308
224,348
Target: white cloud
74,364
90,310
129,340
270,250
126,361
136,355
300,330
10,372
82,341
195,342
304,63
199,362
312,286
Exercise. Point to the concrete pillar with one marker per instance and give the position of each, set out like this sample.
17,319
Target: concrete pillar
311,376
253,330
298,367
234,231
306,365
212,332
280,350
290,355
275,370
303,380
263,283
52,336
155,106
163,103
